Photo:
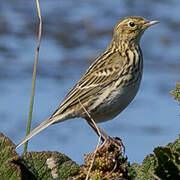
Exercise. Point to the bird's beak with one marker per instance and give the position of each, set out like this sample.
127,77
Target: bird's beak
150,23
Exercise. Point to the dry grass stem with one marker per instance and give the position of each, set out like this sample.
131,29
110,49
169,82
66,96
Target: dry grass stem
98,143
34,74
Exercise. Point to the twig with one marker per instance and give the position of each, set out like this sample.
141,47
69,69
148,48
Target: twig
34,74
156,177
94,154
115,166
90,117
99,139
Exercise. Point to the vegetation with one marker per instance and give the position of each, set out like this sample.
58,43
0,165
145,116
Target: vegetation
106,162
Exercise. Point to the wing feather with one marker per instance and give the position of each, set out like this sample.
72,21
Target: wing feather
93,81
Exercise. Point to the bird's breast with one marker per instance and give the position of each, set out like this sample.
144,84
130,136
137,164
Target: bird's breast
112,101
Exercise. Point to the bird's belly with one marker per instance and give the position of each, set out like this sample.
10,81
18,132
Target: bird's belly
114,103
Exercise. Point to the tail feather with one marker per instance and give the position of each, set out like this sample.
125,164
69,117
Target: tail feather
42,126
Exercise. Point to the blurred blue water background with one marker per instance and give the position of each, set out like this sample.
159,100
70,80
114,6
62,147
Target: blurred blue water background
74,33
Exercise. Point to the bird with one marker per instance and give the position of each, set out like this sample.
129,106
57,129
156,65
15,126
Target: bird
109,84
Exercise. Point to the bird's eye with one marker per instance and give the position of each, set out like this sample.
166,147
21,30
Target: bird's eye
132,24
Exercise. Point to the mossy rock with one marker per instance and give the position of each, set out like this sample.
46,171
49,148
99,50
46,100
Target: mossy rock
47,165
44,165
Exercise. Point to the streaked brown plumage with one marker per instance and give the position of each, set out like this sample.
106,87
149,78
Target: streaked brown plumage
110,83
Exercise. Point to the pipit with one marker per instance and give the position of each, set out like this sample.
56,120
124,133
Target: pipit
109,84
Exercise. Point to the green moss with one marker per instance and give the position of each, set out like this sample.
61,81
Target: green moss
8,170
164,163
168,159
46,164
68,168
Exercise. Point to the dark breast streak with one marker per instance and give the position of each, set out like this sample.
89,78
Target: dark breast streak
132,71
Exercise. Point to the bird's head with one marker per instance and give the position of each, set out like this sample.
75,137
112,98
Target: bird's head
130,29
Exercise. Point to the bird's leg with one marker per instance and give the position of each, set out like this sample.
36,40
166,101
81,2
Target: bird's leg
97,129
116,141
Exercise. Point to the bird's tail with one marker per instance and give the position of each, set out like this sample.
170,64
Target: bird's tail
35,131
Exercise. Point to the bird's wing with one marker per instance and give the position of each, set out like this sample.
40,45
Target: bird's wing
95,78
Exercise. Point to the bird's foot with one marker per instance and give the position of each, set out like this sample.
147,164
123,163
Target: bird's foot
114,142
